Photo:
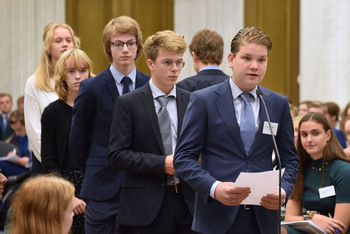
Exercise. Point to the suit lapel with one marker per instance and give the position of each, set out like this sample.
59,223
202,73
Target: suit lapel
148,103
262,116
227,112
110,84
181,103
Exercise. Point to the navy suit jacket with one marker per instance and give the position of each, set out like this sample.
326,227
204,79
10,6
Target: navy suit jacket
136,147
89,137
202,80
210,129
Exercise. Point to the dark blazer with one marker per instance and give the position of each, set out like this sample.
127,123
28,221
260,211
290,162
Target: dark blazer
136,147
210,128
55,128
88,144
2,128
202,80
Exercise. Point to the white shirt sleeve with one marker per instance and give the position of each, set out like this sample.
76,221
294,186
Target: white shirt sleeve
35,101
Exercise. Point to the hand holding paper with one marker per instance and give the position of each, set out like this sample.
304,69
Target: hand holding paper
228,194
260,184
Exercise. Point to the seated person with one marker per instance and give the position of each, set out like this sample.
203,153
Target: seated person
19,139
322,185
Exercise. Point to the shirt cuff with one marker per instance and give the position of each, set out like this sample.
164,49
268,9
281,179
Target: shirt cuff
213,187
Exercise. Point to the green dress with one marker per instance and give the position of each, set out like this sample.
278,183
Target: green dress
337,173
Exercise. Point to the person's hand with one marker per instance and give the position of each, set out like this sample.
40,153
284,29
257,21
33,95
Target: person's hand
271,201
328,224
347,151
22,161
228,194
79,206
168,165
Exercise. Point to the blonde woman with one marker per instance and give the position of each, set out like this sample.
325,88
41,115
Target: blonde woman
39,89
43,204
73,67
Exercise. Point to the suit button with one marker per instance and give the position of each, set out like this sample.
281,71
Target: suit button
162,184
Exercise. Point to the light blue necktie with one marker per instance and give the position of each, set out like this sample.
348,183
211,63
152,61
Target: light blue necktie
247,127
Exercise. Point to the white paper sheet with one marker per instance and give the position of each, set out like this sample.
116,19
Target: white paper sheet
260,183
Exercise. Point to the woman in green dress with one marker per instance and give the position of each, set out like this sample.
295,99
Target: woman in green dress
323,180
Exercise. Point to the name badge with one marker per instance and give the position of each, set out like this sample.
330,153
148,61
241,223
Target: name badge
327,191
266,128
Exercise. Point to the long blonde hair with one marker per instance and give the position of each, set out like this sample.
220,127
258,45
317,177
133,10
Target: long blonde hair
60,71
39,205
45,69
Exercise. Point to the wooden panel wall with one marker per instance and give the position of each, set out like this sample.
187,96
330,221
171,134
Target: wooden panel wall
280,19
89,17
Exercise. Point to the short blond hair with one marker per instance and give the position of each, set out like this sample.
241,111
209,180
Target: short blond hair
39,205
167,40
45,70
121,24
61,70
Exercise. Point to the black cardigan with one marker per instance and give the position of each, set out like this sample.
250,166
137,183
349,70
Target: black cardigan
56,122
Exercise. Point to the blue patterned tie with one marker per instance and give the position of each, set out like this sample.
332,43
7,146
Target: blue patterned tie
247,127
126,81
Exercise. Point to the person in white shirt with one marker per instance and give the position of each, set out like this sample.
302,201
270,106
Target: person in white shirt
39,89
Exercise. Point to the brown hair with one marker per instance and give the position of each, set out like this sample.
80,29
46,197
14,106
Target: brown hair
121,24
208,45
250,35
17,115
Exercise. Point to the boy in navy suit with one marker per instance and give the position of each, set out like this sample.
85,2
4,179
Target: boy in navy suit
223,125
92,117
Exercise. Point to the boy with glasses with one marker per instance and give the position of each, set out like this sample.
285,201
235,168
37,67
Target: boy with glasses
144,131
92,117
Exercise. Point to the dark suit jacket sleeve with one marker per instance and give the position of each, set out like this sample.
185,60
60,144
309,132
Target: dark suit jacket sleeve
189,146
48,141
124,142
285,142
83,112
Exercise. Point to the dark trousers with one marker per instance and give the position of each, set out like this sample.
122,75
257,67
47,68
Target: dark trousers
245,222
100,216
172,218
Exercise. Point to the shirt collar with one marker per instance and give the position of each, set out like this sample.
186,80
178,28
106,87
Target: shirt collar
209,68
156,92
118,76
236,91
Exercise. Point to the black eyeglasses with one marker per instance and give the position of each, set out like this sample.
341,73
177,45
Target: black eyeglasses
130,44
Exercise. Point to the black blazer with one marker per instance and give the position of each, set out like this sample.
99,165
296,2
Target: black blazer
55,128
136,147
202,80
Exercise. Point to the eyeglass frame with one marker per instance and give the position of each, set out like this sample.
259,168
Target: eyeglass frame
178,63
124,43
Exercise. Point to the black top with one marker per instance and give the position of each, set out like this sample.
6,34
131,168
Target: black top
56,123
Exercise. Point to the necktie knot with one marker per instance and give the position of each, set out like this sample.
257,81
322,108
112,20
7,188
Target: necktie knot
126,82
245,97
163,100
